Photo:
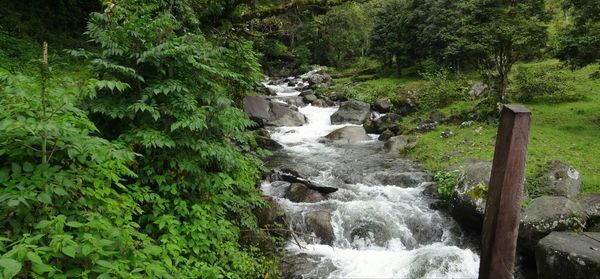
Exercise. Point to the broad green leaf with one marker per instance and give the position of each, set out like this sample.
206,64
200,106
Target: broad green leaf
27,167
70,251
34,258
74,224
41,268
11,267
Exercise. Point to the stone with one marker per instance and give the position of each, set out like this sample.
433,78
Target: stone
569,255
446,134
437,116
371,233
591,204
307,92
354,112
268,143
466,124
426,126
349,134
386,135
257,108
398,144
283,116
295,101
270,214
318,80
298,192
309,98
407,107
546,214
320,103
478,90
382,105
467,202
305,266
319,222
380,124
560,179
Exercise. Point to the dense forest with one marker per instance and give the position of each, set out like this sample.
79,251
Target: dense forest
125,151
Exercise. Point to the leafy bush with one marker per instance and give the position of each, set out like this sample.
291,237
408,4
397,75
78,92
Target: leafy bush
446,182
63,202
440,90
542,83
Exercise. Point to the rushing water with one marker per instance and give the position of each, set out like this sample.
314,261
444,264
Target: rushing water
382,222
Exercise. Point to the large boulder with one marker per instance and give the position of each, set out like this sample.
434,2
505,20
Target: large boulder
385,135
354,112
298,192
386,122
591,204
569,255
268,143
398,144
349,134
546,214
370,232
281,115
270,113
467,203
319,222
560,179
406,106
382,105
309,98
269,215
318,80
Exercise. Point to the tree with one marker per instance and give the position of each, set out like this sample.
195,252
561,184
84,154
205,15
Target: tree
502,32
579,42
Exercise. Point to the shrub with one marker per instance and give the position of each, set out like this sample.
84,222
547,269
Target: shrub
542,83
440,90
446,182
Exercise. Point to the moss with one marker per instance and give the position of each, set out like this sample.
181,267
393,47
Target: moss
479,192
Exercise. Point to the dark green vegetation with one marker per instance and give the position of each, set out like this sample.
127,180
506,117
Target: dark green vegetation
127,156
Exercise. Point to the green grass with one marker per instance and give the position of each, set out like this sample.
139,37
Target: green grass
567,131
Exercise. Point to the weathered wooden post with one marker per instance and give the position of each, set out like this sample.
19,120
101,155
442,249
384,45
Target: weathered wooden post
501,222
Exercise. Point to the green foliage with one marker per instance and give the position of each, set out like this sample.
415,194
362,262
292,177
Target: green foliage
440,90
479,192
446,182
63,207
165,91
542,83
579,41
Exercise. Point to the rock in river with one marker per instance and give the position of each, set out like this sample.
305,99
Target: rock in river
349,134
354,112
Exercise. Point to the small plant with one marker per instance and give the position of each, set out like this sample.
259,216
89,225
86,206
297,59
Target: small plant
479,192
446,182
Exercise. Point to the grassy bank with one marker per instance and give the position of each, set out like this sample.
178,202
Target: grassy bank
568,131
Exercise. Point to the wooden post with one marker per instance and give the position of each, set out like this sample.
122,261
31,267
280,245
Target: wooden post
501,222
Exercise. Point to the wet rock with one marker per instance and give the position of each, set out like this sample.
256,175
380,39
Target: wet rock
292,83
320,103
298,192
382,105
305,266
338,97
319,222
402,179
269,215
309,98
318,80
478,90
370,232
268,143
349,134
546,214
268,91
569,255
295,101
257,108
283,116
467,203
430,191
270,113
386,135
386,122
293,176
591,204
398,144
307,92
560,179
354,112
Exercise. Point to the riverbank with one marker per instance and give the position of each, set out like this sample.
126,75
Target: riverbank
567,131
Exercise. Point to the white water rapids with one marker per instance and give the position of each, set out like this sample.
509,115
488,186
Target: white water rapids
383,224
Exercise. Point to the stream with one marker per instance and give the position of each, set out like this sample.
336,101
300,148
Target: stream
383,224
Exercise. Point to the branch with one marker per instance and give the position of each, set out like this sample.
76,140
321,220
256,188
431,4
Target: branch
285,8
